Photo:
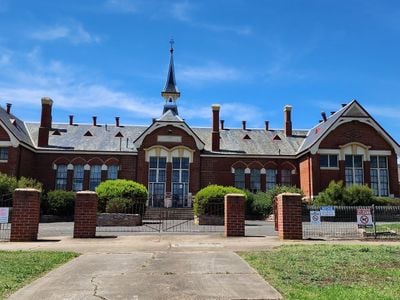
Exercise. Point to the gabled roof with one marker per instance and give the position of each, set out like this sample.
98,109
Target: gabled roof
15,127
350,111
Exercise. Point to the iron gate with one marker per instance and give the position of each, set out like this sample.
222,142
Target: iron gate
5,216
141,218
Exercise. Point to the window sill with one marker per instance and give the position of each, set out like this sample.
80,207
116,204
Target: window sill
3,161
330,168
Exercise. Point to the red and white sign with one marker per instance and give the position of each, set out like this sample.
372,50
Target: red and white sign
364,217
4,215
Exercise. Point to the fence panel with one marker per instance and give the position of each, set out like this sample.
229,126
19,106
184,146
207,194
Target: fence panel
351,222
5,216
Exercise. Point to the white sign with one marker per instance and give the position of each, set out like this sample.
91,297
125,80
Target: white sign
315,217
4,215
364,217
327,211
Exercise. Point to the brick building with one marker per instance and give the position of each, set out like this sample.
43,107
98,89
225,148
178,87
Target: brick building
175,160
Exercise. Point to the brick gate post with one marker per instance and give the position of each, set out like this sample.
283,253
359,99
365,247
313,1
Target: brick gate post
234,215
289,219
25,215
85,218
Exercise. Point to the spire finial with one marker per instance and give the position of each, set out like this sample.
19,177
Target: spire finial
171,42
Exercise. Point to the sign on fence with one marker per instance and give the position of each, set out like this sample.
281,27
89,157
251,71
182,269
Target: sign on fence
315,217
327,211
364,217
4,215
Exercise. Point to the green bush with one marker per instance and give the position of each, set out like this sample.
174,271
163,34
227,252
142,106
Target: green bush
60,203
212,193
118,205
7,184
25,182
120,188
358,195
387,201
262,204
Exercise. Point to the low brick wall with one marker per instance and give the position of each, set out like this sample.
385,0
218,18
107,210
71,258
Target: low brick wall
118,219
289,219
234,215
85,214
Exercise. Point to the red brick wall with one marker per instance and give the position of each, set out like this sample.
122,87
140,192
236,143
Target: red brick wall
289,216
234,218
85,217
3,135
25,215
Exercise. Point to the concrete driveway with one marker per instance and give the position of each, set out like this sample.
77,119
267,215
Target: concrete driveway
152,275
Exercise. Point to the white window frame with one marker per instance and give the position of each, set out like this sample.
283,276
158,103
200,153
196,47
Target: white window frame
380,170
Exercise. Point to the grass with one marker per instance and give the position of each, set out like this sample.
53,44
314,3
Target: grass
18,268
387,227
330,271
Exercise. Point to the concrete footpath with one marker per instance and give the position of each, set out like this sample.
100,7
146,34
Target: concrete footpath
150,267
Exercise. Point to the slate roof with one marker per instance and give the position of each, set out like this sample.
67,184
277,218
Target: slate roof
170,84
18,129
72,137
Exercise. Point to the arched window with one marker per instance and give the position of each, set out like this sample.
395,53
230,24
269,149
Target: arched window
286,177
239,178
270,178
255,184
61,177
95,177
112,172
77,181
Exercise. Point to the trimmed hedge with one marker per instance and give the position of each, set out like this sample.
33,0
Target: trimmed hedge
212,194
59,203
120,188
118,205
9,183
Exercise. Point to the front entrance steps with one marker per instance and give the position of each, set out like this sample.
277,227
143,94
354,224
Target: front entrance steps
157,213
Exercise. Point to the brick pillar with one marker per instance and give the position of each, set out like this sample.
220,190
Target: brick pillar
25,215
85,214
234,215
290,225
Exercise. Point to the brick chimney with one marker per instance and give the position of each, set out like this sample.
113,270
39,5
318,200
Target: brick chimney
8,108
244,125
45,122
222,124
215,127
266,125
94,121
116,121
288,120
71,119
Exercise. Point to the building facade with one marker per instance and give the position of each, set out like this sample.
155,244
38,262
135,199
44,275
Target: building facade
175,160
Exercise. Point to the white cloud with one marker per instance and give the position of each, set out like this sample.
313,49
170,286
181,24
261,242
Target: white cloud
181,11
73,31
384,111
210,72
5,56
65,85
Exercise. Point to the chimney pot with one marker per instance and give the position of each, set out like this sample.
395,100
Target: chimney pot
288,120
344,104
244,125
71,119
222,124
266,125
8,107
323,114
117,121
94,121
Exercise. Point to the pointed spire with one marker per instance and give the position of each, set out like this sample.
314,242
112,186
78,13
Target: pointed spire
171,92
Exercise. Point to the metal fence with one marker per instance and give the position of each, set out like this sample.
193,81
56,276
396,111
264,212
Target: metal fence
141,218
351,222
5,216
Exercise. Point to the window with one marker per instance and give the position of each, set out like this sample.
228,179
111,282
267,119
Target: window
180,181
255,185
271,178
354,172
286,177
379,175
239,178
112,172
4,153
328,161
157,170
95,177
77,181
61,177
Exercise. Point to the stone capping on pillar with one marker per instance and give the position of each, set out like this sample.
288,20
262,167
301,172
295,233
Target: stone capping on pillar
25,215
85,218
288,206
234,215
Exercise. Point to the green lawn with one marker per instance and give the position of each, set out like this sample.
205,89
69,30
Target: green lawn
330,271
17,268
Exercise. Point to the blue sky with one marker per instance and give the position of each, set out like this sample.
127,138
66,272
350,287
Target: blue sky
110,58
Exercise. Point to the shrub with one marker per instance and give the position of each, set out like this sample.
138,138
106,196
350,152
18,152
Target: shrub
212,193
387,201
7,184
262,204
359,195
25,182
120,188
334,194
60,203
118,205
